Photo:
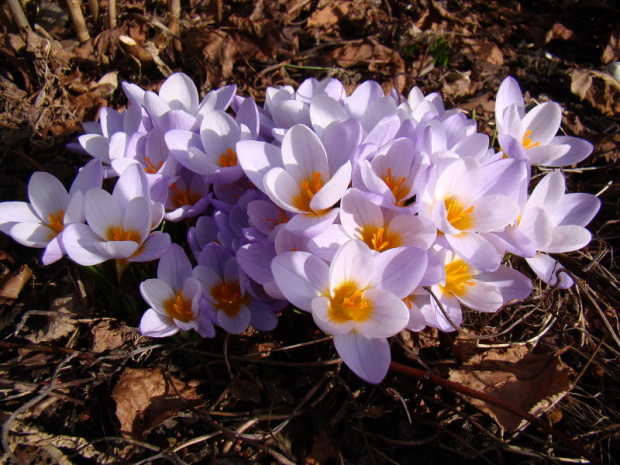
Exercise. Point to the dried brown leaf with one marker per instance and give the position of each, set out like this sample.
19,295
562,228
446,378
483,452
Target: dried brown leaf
612,50
41,326
529,381
558,32
486,51
599,89
12,287
145,398
329,16
108,335
375,56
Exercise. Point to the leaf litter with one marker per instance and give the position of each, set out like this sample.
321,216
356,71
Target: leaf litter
80,385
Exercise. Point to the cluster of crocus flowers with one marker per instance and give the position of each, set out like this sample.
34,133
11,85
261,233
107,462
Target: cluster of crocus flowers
375,213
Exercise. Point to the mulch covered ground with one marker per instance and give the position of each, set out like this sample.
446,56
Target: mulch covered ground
79,384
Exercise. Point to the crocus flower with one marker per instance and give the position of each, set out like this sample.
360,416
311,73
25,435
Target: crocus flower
357,298
42,222
119,225
555,223
532,136
174,298
478,290
299,178
227,296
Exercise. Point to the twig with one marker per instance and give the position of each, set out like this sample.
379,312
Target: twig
77,18
19,17
456,387
174,25
112,13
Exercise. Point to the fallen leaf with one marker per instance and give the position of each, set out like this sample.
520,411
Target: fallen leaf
597,88
13,286
329,16
558,32
529,381
323,449
108,335
486,51
375,56
43,326
612,49
145,399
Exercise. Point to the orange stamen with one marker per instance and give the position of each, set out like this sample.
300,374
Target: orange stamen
308,188
527,142
228,159
228,298
150,167
348,304
179,308
396,185
56,221
180,198
458,216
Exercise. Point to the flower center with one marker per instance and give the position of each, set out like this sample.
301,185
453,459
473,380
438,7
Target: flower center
179,308
228,158
379,239
181,197
119,234
458,215
397,186
227,297
56,221
307,188
348,304
458,275
276,221
150,167
527,142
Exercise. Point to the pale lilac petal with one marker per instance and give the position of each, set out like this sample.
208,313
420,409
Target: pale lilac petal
364,95
322,315
511,284
353,264
475,250
289,113
155,105
459,179
326,244
379,109
154,324
205,326
301,277
547,269
96,146
509,93
258,158
536,225
174,267
303,154
156,293
493,212
81,242
357,213
282,189
435,317
32,234
481,296
131,184
89,177
516,242
548,192
235,324
568,238
546,155
512,147
137,217
255,261
388,315
47,195
414,231
218,133
117,249
17,212
333,190
341,140
309,225
389,128
154,247
579,150
368,358
439,215
53,252
398,270
324,110
218,99
544,121
175,119
180,92
575,209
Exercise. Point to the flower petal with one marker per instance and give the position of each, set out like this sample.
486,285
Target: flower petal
388,315
47,195
368,358
301,277
156,293
153,324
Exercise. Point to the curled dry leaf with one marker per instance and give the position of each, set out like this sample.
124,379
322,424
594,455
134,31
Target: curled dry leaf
529,381
145,398
12,287
599,89
108,335
374,56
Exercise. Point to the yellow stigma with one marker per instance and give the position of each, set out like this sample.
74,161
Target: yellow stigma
397,186
180,198
56,221
228,158
527,142
179,308
228,298
348,304
150,167
458,275
458,216
307,188
380,239
119,234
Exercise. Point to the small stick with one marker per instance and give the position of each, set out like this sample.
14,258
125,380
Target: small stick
456,387
174,25
94,10
77,18
19,17
112,13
